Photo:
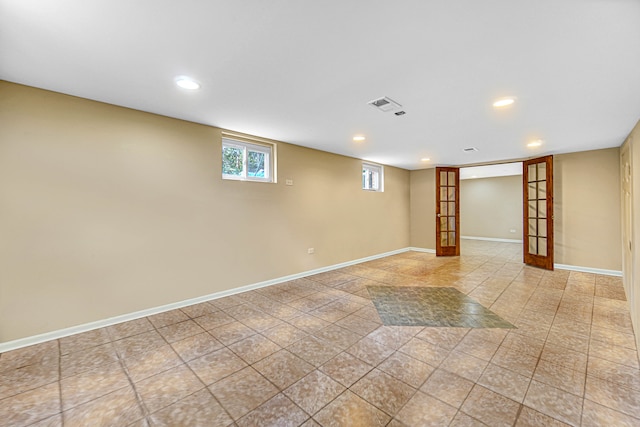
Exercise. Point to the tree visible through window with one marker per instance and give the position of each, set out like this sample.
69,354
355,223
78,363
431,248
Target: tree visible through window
246,161
256,163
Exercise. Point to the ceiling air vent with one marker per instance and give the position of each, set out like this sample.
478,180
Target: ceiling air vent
469,149
385,104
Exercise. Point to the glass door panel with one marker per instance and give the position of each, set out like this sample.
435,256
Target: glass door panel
538,212
443,209
447,212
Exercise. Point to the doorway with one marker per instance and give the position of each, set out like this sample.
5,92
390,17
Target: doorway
509,202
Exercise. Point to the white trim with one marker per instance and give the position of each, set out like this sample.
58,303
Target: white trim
61,333
429,251
491,239
602,271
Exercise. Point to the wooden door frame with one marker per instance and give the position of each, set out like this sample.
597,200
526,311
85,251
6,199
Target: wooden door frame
448,250
541,261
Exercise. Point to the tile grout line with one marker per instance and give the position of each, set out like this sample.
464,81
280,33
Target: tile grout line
540,358
60,381
522,404
206,387
586,370
145,411
541,350
186,364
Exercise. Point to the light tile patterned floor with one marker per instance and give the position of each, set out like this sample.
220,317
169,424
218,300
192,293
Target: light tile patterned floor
314,352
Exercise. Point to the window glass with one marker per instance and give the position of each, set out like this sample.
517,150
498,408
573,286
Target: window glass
246,161
232,162
255,164
372,177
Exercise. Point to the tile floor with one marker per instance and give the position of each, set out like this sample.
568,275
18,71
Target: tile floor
314,352
431,306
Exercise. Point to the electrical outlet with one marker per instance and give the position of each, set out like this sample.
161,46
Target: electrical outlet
288,182
311,251
513,230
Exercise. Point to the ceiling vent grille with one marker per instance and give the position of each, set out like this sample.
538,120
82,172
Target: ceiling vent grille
385,104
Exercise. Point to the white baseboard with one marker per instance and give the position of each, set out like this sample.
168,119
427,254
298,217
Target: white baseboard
61,333
602,271
429,251
492,239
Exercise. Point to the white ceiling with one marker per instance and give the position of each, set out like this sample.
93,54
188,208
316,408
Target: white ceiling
491,171
303,71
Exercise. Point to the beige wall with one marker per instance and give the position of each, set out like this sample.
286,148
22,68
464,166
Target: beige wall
490,207
106,211
423,208
587,209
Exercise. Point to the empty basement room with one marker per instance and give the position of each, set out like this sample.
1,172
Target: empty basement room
256,214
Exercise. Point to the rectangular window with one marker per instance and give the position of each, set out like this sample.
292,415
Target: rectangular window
247,161
372,177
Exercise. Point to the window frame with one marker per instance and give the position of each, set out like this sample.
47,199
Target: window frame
268,149
372,167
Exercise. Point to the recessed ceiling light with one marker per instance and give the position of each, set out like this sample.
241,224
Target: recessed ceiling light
359,138
536,143
425,159
504,102
187,83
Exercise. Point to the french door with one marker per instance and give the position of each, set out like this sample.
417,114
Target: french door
537,183
447,211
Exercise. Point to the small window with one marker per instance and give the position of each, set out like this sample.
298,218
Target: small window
372,177
246,161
